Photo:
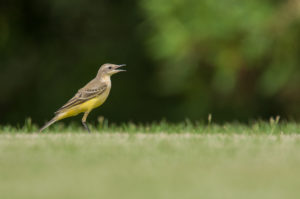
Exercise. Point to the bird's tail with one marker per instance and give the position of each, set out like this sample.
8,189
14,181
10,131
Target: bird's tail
49,123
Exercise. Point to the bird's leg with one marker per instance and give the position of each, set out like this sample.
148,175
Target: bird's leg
86,126
84,121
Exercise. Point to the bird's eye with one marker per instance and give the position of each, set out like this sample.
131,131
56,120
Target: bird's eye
110,68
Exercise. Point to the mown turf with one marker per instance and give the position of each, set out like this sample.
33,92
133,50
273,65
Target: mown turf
261,160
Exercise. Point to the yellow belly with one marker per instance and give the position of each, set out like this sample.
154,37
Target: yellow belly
84,107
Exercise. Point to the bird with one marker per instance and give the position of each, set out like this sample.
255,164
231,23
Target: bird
89,97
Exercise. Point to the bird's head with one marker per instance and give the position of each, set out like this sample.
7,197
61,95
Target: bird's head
110,69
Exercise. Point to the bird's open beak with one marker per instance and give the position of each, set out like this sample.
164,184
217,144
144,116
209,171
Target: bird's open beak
118,68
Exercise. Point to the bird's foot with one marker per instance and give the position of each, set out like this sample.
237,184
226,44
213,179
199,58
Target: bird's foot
86,127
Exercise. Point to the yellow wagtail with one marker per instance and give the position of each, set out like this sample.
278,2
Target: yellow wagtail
89,97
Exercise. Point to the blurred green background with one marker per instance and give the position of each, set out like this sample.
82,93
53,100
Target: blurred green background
238,60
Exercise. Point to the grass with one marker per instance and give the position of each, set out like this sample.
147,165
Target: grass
259,160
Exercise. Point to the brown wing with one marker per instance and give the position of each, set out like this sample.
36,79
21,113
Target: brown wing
90,91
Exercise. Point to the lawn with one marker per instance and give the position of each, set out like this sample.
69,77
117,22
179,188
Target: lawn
160,161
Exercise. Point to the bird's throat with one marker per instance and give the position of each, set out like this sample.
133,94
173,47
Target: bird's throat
105,79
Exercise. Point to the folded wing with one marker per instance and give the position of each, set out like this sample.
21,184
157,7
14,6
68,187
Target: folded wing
83,95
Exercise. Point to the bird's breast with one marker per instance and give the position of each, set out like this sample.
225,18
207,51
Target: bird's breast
98,101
